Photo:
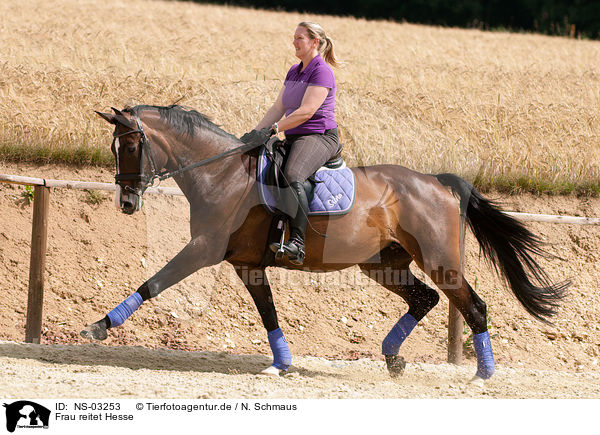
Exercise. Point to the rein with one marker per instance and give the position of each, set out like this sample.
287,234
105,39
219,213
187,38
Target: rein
237,150
160,176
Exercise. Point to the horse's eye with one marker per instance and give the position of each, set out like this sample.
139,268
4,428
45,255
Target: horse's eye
131,150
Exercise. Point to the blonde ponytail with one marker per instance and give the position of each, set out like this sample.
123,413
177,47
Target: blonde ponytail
315,31
329,54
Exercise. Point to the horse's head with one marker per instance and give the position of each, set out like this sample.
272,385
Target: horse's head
135,169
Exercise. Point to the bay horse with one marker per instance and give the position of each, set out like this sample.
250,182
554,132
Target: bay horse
399,217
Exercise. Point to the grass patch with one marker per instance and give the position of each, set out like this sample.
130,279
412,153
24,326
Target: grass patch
524,184
28,195
94,197
43,154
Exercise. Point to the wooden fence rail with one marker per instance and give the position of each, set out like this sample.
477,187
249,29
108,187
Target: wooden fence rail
39,235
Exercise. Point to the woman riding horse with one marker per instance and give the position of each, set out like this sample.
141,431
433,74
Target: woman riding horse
399,217
307,99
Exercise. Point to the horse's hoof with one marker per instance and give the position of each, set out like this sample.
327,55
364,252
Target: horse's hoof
477,382
96,331
271,371
395,365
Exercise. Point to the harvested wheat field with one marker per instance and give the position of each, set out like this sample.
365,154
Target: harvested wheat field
503,110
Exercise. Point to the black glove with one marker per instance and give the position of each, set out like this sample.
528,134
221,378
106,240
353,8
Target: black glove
257,137
271,144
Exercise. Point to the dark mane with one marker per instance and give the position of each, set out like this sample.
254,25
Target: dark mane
184,120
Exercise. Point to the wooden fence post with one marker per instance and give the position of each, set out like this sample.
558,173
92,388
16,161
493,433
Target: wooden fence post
455,319
455,330
37,264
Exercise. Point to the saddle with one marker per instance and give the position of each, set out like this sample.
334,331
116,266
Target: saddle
330,191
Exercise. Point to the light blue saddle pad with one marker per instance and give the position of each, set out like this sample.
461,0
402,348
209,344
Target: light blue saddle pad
334,194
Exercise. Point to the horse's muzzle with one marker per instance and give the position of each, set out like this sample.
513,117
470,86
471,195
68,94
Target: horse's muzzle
128,202
128,207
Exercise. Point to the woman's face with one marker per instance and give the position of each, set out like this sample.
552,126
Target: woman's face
303,43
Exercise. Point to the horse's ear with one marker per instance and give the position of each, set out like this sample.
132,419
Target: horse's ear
109,117
117,111
119,118
122,119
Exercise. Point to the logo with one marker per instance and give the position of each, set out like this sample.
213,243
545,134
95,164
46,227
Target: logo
26,415
333,200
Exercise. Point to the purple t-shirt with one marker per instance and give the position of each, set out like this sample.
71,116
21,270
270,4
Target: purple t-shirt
317,73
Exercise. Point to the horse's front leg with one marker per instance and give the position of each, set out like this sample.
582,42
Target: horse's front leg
255,280
200,252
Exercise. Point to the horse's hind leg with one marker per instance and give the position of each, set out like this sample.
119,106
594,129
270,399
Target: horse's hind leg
255,280
474,311
442,264
394,274
436,250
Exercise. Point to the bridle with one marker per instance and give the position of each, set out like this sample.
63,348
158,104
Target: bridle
147,180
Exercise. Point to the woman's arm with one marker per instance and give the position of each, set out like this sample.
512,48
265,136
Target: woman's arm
274,114
312,100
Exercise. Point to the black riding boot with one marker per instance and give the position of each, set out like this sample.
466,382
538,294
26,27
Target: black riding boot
294,248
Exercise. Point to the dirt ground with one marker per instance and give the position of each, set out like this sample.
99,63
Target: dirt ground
82,371
208,328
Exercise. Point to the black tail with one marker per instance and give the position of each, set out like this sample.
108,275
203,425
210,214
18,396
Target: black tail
510,247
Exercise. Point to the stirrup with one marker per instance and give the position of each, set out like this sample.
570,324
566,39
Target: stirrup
293,250
277,248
